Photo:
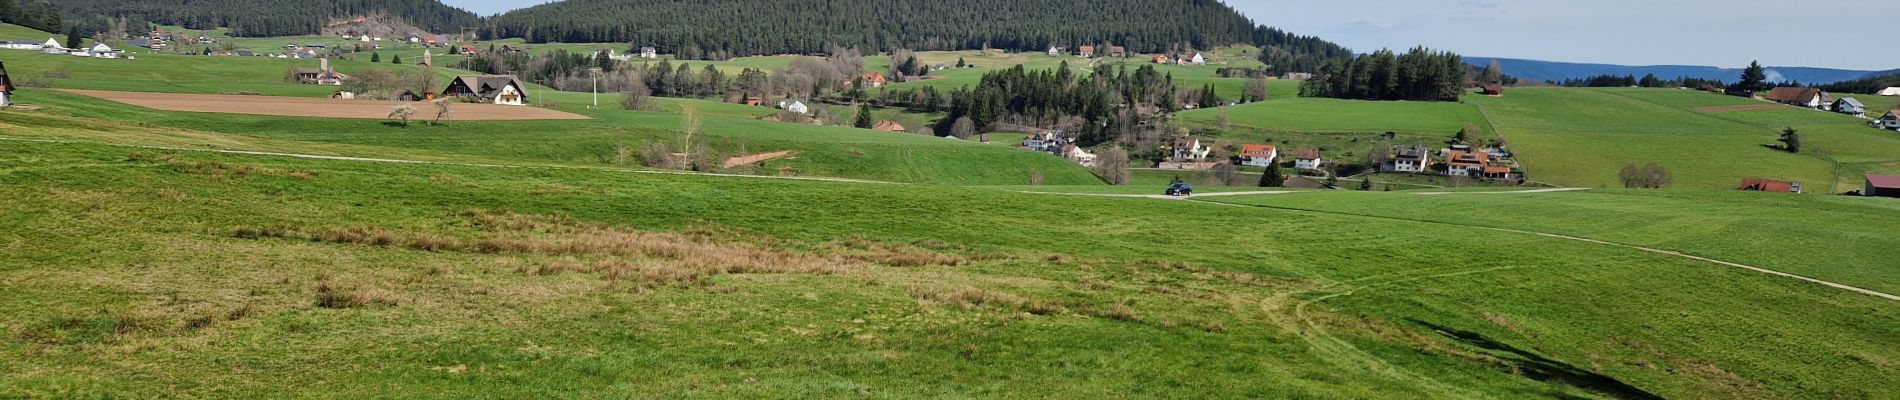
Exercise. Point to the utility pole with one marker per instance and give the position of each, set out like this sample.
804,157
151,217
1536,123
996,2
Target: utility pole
596,71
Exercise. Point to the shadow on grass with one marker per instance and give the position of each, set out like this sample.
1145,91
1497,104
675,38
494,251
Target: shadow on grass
1544,369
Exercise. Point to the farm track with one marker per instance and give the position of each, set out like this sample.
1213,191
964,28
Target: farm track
1671,253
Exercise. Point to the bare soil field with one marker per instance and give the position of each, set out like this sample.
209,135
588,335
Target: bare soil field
1718,109
315,107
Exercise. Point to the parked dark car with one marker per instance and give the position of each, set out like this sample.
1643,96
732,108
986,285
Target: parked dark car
1180,189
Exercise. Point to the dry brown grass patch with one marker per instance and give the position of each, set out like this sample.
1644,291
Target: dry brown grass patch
334,295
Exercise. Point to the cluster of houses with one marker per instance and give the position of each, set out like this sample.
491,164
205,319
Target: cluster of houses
1818,99
1191,153
52,46
1196,59
1491,162
1053,142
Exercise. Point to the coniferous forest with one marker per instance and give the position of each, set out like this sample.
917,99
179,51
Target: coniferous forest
1419,74
260,18
736,28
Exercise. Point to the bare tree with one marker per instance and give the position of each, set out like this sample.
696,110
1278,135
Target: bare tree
1227,175
1647,176
442,113
963,128
402,112
637,97
1112,165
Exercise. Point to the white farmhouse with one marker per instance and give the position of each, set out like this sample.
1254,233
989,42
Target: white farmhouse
52,47
1892,91
1188,150
101,50
492,89
1258,155
793,106
21,45
1306,159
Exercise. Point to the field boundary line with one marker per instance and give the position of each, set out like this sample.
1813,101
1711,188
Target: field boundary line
445,163
1672,253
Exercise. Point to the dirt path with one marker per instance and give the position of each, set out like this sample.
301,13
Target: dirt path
458,164
318,107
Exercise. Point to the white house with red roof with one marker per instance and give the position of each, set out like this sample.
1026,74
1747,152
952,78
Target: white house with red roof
1258,155
1306,159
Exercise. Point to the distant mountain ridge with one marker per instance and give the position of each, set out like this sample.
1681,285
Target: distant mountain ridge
1557,71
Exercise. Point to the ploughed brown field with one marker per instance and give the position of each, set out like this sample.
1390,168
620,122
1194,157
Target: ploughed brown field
316,107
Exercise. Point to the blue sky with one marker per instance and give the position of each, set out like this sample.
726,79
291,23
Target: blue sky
1723,33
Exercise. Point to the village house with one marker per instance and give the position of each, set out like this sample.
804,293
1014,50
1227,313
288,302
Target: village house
1297,76
1493,90
1892,91
1850,106
1160,59
1770,185
889,126
1056,51
1799,96
1882,186
1464,162
873,79
6,87
1407,159
1086,51
101,50
649,53
1306,159
52,47
322,75
1197,59
1890,121
1258,155
1076,154
1044,141
1117,51
492,89
1188,150
793,106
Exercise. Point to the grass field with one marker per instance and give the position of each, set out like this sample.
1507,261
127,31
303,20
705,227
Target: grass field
1582,137
728,129
191,274
532,259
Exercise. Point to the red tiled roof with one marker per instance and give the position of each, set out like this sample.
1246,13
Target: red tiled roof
1793,94
1497,169
1767,185
1467,158
1884,181
888,126
1258,150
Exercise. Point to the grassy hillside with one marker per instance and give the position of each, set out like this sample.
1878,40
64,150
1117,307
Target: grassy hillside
16,32
728,130
1582,137
194,274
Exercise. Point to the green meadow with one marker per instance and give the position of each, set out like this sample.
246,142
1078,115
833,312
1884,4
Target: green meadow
539,259
203,275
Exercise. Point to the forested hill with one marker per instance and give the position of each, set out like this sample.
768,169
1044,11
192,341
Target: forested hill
256,18
754,27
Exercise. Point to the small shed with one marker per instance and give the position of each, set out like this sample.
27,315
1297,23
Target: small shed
1493,90
1882,186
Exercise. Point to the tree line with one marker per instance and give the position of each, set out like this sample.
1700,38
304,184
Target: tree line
716,29
1419,74
260,18
36,14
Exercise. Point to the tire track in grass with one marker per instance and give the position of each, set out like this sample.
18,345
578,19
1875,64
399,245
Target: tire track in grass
1671,253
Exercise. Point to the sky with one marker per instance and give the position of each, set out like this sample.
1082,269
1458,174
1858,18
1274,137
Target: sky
1722,33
